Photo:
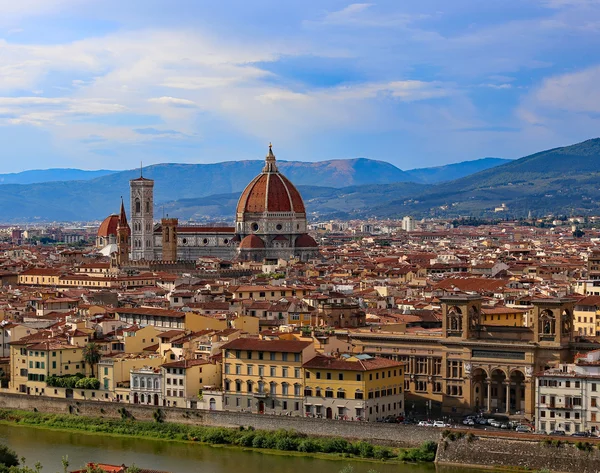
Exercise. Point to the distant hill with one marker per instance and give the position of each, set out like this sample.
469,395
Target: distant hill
51,175
98,197
450,172
560,180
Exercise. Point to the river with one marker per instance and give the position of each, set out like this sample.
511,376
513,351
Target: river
49,446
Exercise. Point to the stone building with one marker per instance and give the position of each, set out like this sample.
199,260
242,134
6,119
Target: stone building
470,366
270,224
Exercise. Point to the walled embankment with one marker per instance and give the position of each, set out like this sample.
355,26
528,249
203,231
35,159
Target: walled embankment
383,434
490,452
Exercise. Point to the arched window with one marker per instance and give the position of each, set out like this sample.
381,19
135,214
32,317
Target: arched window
249,386
156,384
328,392
227,385
297,389
138,206
308,391
273,388
142,382
147,206
135,382
359,394
238,385
143,398
285,388
341,394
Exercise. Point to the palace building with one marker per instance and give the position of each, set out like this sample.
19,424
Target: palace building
270,224
470,366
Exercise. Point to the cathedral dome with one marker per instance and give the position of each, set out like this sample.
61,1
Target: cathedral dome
270,191
306,241
251,242
108,226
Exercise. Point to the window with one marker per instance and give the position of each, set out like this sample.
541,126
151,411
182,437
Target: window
358,394
284,357
261,355
341,394
307,374
341,376
297,357
328,375
359,377
297,390
308,391
273,371
318,374
296,372
238,369
249,370
249,354
272,356
285,389
328,392
227,368
284,372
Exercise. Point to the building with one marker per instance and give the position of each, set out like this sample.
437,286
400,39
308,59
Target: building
469,366
142,218
185,381
265,376
586,320
146,386
408,224
270,224
568,397
353,387
271,218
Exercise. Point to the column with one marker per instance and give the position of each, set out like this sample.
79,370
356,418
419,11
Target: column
508,397
488,382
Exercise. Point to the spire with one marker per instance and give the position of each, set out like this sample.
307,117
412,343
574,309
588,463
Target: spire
122,215
141,169
270,165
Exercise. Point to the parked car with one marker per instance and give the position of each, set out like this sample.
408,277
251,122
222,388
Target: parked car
523,429
558,432
440,423
581,434
504,426
495,423
424,423
482,421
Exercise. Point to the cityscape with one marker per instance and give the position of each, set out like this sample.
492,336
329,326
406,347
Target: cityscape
364,240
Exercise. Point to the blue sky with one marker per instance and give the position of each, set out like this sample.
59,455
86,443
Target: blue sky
104,84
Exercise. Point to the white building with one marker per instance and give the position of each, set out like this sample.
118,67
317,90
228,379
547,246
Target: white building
567,397
146,386
408,224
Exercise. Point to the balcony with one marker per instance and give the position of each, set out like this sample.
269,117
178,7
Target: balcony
261,394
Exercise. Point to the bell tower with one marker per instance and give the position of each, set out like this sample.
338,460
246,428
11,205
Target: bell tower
169,239
553,321
142,218
123,238
461,316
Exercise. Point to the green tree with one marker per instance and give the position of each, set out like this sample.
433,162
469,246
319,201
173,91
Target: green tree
92,354
8,457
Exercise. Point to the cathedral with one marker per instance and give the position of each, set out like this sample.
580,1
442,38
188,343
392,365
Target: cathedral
270,224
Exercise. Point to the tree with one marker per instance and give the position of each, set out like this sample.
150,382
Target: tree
8,457
92,354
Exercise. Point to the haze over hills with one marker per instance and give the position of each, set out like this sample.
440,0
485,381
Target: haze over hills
95,198
449,172
51,175
561,180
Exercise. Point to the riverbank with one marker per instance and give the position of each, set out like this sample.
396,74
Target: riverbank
280,441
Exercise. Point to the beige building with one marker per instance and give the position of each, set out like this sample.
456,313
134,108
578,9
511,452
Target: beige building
265,376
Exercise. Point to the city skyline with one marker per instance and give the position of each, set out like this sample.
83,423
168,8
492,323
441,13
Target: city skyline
103,85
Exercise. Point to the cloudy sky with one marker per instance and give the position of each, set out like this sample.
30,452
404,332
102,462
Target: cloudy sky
105,83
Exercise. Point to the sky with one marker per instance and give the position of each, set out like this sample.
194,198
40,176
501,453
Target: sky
106,84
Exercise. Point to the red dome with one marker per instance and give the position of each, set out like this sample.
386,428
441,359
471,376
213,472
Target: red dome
109,226
252,242
270,191
306,241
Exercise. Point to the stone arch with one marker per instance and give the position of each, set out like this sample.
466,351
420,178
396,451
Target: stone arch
547,323
566,323
479,387
518,391
454,319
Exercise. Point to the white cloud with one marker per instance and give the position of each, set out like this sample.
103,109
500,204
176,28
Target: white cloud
173,101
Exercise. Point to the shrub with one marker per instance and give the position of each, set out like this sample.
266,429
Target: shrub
286,444
308,446
470,437
364,449
8,457
382,453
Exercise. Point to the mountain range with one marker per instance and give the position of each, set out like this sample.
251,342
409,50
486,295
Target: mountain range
91,197
561,180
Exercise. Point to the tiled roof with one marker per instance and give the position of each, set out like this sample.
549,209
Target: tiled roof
281,346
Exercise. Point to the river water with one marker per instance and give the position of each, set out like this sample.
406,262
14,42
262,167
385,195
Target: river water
49,446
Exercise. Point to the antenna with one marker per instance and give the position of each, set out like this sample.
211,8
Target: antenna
141,168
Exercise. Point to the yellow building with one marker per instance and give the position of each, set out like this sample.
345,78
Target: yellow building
138,339
265,376
114,373
353,387
586,317
267,293
32,362
502,316
184,381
